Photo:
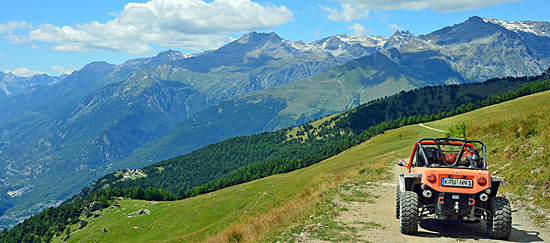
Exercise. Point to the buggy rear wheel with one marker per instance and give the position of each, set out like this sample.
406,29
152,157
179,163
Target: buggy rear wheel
500,225
408,222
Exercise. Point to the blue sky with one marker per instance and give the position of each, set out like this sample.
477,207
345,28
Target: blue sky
60,36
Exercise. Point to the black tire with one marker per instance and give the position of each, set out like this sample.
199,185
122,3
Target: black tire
408,222
397,201
500,226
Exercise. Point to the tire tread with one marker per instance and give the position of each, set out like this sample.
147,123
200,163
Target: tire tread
397,201
500,226
408,223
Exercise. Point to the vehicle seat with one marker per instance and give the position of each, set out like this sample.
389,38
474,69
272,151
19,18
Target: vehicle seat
431,155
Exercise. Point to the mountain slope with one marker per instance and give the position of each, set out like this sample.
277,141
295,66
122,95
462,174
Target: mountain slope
338,89
106,126
56,99
539,28
78,127
286,197
480,49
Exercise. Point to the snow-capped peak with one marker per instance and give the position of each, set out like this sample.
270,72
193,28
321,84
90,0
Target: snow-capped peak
367,41
534,27
174,55
329,44
298,45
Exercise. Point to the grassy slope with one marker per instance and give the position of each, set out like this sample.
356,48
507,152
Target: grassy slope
273,204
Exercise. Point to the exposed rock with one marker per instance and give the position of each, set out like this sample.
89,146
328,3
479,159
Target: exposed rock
94,206
143,211
139,213
83,223
88,210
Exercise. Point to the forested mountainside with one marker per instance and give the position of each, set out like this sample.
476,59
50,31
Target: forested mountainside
277,152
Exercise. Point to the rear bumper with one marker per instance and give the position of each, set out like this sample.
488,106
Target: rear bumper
455,205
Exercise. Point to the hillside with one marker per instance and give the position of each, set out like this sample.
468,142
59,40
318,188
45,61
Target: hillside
243,159
269,206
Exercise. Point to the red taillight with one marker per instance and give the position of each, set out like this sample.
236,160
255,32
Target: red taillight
482,181
431,178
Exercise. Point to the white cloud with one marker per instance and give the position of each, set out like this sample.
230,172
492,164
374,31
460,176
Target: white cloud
437,5
394,26
358,29
8,30
317,31
24,72
62,69
11,26
347,12
189,24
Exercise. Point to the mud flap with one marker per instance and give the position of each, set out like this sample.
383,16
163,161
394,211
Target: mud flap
401,183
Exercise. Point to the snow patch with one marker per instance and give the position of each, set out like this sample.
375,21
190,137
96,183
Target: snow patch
520,26
4,88
366,41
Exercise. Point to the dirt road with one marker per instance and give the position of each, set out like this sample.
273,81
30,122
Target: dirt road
374,221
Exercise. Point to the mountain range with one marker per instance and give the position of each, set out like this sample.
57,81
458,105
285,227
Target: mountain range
59,134
11,85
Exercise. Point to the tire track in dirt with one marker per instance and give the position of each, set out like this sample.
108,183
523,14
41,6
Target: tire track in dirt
431,128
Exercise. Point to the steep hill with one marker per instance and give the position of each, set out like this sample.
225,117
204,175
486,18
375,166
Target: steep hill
264,208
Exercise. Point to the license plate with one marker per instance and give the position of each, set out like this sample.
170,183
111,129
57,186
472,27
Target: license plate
456,182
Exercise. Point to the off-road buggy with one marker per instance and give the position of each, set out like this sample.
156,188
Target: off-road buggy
447,178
